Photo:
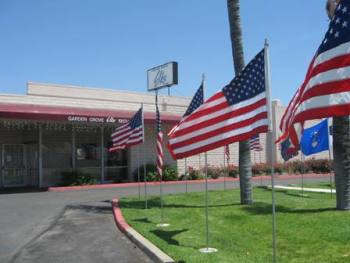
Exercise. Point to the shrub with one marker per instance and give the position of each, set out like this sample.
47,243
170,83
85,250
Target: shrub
279,168
194,174
233,171
259,169
298,167
152,177
319,166
77,178
169,173
150,170
214,172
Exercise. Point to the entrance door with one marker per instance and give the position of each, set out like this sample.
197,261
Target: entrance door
13,168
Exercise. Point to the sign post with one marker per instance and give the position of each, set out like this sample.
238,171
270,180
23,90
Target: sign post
163,76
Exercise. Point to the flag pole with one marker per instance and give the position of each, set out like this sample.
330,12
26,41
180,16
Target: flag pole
330,161
224,168
206,200
145,175
207,249
162,224
144,159
138,170
268,98
330,172
302,173
261,180
186,174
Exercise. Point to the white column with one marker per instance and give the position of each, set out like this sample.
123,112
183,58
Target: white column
40,159
102,156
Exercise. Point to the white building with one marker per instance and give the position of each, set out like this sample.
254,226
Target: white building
58,128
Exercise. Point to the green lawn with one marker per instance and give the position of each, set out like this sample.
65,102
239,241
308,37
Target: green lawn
308,229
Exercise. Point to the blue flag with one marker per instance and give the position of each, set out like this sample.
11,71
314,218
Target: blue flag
315,139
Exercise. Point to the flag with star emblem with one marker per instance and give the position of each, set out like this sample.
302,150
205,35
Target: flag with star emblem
235,113
315,139
129,134
325,91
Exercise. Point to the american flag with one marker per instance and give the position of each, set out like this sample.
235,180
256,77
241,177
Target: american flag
233,114
159,142
129,134
255,143
325,90
196,101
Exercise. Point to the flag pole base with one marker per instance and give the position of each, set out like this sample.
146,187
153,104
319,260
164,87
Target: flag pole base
207,250
303,195
163,225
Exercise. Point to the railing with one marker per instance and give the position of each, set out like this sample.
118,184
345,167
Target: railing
13,176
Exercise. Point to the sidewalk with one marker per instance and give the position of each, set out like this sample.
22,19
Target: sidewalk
315,190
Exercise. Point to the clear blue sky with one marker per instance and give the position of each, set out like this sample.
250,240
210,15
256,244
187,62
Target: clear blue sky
111,43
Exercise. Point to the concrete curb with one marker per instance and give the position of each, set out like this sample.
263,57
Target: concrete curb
146,246
135,184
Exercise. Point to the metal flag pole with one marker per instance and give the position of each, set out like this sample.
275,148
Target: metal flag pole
207,249
261,180
225,168
302,173
330,172
138,170
162,224
330,161
270,132
145,175
144,159
186,175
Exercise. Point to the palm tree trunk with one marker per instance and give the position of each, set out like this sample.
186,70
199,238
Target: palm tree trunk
341,145
245,170
341,150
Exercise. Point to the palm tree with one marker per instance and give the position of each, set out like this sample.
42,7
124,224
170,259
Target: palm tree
341,147
341,150
245,170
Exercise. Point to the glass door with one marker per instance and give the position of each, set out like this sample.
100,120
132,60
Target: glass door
13,168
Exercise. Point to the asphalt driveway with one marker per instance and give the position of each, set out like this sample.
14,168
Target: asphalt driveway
75,226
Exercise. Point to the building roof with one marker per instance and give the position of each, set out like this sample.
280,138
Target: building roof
57,102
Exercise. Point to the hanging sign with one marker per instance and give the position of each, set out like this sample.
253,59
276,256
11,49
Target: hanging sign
162,76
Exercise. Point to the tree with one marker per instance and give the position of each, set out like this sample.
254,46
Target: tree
245,170
341,146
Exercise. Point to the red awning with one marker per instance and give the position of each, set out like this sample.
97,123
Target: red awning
73,114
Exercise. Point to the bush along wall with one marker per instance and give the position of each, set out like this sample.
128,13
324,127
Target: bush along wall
318,166
77,178
170,173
